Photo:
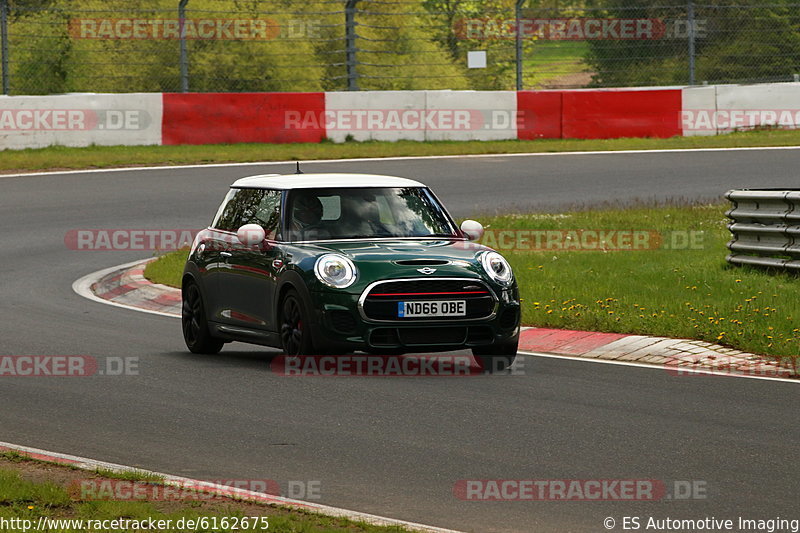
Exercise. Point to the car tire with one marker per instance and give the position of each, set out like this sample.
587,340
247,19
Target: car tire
194,324
496,357
295,330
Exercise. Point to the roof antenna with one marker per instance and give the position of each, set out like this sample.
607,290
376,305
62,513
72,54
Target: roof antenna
298,171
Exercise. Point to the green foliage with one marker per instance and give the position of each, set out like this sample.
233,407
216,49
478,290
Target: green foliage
447,22
753,44
749,41
303,49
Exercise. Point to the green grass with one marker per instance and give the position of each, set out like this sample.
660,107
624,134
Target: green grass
60,157
24,494
547,61
688,292
167,269
684,292
129,475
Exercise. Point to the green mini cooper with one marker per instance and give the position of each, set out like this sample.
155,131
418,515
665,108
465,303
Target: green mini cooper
333,263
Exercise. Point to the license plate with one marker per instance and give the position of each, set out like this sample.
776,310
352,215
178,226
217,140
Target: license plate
430,308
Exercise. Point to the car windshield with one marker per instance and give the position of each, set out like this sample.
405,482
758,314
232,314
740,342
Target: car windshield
351,213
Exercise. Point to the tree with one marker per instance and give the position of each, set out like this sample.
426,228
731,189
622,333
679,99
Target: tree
746,42
464,25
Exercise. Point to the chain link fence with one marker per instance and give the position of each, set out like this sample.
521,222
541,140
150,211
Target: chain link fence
59,46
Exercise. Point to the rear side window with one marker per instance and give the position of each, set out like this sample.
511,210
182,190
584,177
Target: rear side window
250,206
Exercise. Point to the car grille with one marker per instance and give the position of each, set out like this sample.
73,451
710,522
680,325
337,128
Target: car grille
381,301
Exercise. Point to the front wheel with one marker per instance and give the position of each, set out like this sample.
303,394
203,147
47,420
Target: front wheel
295,326
195,326
496,357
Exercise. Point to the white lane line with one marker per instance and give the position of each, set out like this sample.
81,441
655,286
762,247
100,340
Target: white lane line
92,464
83,287
399,158
662,368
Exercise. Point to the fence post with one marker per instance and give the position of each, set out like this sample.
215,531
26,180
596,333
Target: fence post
517,17
184,60
350,44
4,42
690,34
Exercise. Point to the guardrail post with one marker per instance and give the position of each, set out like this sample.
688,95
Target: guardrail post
350,44
690,35
184,60
518,43
4,43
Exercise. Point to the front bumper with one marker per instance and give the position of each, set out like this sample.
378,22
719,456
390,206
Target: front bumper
341,325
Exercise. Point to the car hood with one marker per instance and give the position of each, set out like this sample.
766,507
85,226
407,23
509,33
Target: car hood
392,259
404,250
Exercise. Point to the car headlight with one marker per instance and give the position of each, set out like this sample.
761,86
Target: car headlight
335,271
497,268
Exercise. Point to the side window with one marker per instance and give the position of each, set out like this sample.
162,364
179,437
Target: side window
238,204
224,211
267,213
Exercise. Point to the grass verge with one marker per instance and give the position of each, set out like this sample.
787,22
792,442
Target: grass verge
672,282
167,269
675,283
64,158
31,489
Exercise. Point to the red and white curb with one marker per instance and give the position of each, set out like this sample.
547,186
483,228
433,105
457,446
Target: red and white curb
125,286
679,356
220,490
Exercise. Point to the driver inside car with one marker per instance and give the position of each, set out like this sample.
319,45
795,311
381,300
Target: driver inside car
363,216
306,217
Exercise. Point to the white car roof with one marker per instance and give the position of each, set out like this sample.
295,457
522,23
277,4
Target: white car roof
313,181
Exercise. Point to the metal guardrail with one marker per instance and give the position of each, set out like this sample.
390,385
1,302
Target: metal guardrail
765,228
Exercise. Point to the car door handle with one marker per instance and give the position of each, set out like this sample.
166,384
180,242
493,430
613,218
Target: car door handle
225,254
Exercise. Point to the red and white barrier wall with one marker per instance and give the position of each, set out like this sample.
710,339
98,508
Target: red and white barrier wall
209,118
80,120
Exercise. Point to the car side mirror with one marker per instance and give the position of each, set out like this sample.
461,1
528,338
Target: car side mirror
251,234
473,229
